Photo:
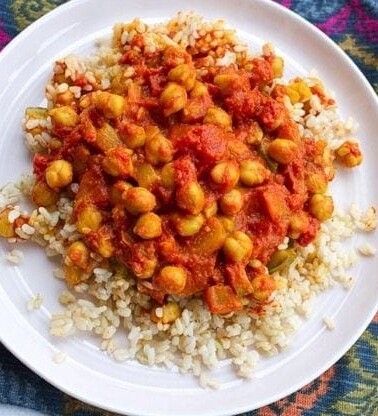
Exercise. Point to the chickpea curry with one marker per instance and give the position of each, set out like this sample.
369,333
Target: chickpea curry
190,175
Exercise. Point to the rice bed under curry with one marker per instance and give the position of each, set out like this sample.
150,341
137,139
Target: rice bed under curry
208,230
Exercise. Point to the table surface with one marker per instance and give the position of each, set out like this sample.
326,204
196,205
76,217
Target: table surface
350,387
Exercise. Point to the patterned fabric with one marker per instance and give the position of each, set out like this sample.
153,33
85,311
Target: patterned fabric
350,387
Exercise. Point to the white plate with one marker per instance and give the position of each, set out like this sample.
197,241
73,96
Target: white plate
130,388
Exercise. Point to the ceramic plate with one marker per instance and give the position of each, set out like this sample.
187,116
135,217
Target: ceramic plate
130,388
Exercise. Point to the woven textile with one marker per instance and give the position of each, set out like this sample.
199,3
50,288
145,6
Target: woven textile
348,388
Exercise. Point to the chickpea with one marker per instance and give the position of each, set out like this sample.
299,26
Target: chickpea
282,150
158,149
199,90
228,223
116,191
278,66
146,175
148,226
170,312
349,154
255,134
74,275
78,253
168,176
89,219
139,200
134,136
65,98
253,173
225,174
184,74
171,279
232,202
104,244
59,174
6,228
219,117
238,247
298,224
146,265
173,98
321,207
316,182
263,286
191,198
225,82
43,195
188,225
117,162
210,209
302,89
111,105
64,116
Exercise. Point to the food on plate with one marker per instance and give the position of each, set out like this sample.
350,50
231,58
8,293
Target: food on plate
184,184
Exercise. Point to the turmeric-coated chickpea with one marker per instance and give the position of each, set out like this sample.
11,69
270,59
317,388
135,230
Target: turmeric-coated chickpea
228,223
253,172
283,151
225,82
238,247
173,98
225,174
210,209
199,90
117,190
42,195
301,89
117,162
111,105
89,219
103,242
6,228
74,274
134,136
65,98
184,74
298,224
263,286
171,279
316,182
349,154
64,116
158,149
168,176
219,117
231,202
148,226
191,198
169,313
139,200
277,66
78,253
146,268
255,134
59,174
321,207
188,225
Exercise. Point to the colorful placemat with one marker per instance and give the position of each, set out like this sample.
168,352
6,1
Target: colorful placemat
348,388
